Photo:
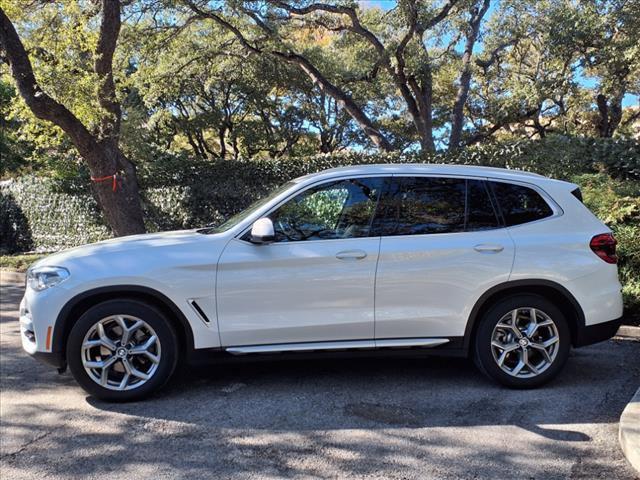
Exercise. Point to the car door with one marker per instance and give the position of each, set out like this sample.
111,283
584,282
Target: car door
315,282
442,246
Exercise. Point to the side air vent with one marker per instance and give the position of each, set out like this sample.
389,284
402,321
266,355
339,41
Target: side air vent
199,311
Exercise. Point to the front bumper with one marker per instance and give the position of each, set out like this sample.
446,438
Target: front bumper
598,332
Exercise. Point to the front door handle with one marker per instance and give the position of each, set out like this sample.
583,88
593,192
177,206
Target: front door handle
488,248
351,255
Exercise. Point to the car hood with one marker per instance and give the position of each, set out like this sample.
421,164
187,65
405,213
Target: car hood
127,244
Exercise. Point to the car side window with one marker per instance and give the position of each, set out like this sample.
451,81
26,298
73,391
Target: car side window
428,205
520,204
422,205
340,209
480,212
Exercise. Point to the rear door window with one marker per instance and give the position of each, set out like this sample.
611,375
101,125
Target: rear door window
520,204
428,205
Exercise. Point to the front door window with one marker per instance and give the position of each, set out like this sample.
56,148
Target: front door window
337,210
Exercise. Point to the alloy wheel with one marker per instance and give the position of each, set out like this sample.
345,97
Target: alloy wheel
121,352
525,342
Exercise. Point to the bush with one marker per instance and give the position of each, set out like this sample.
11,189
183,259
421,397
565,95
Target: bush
617,203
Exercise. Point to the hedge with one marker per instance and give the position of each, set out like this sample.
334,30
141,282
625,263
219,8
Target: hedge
46,214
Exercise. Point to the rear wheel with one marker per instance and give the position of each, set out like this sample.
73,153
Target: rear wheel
122,350
522,341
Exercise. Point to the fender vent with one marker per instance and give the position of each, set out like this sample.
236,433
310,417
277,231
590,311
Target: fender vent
199,311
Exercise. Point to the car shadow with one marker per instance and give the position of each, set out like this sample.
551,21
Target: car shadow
381,392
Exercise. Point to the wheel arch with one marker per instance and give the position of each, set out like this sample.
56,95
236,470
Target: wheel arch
79,304
548,289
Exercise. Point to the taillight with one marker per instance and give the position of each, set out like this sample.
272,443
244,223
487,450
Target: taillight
604,245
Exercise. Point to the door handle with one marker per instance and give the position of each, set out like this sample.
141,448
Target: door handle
487,248
351,255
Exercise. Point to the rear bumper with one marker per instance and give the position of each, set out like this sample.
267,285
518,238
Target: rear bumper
598,332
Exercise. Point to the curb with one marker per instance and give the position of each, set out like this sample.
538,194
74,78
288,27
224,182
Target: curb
628,331
629,433
11,276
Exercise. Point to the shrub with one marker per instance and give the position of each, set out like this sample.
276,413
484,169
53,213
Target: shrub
617,203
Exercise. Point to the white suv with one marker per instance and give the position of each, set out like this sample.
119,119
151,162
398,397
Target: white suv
506,266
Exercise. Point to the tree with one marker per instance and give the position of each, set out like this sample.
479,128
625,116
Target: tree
114,175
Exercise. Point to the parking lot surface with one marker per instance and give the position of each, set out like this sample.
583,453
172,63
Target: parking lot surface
361,418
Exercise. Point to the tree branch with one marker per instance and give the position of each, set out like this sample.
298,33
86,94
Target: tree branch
103,66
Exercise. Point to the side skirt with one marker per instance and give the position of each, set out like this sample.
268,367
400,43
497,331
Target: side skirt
341,345
402,347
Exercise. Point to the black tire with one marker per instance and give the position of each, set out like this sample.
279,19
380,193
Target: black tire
164,332
483,354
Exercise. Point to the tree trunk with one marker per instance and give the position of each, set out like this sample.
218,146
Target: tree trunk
121,205
457,115
610,112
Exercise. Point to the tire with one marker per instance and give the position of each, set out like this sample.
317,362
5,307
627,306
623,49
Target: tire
495,343
112,371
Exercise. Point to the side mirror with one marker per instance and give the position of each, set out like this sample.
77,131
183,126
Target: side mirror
262,231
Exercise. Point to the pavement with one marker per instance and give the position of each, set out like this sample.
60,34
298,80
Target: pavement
380,418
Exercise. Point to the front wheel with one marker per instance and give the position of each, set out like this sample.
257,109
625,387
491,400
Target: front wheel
122,350
522,341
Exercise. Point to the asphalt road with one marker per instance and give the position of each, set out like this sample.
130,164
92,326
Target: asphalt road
400,418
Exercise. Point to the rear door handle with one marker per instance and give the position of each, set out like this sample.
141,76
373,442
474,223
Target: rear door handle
488,248
351,255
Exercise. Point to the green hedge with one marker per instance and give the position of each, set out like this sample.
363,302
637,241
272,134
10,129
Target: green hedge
52,213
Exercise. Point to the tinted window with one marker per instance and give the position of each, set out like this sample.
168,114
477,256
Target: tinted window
520,204
480,212
342,209
422,205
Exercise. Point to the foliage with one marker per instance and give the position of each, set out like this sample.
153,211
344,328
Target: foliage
19,263
617,203
188,87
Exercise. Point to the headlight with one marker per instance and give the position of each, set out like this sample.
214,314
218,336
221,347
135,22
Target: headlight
41,278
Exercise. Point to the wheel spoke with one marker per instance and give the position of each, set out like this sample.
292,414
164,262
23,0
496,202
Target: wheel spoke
100,364
533,323
144,349
516,370
543,351
547,343
506,347
124,381
128,331
104,338
525,359
104,375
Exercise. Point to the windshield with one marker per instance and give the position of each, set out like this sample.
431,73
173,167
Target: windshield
239,217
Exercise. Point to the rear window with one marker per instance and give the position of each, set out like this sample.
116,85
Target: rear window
577,193
520,204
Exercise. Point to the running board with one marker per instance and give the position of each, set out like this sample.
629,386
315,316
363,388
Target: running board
341,345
